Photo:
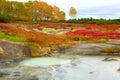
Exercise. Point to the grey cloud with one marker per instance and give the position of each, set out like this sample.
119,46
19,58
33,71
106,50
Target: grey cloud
111,11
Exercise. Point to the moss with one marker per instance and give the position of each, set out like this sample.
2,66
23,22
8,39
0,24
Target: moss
35,49
12,38
111,50
1,75
102,40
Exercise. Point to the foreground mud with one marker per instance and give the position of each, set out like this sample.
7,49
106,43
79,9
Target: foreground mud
80,68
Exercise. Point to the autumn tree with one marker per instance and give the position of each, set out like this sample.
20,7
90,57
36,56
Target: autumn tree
41,10
2,6
61,15
57,14
31,10
72,12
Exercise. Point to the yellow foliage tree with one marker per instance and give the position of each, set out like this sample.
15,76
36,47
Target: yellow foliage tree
41,10
72,12
57,14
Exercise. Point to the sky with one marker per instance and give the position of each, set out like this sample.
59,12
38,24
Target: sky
108,9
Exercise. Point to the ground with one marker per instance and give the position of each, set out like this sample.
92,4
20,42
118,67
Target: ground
19,42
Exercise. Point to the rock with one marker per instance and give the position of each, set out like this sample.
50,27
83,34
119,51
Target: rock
109,59
34,79
116,42
1,51
25,77
17,74
87,49
63,48
13,50
6,73
5,63
91,72
118,69
17,60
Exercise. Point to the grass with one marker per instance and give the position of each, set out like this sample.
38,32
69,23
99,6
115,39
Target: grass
12,38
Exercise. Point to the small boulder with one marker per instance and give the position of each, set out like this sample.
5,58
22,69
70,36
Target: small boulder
6,73
109,59
118,69
1,51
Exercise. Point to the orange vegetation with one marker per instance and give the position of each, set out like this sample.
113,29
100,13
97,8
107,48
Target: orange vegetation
41,38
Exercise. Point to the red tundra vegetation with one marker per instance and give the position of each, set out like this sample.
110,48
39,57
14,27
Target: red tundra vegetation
95,34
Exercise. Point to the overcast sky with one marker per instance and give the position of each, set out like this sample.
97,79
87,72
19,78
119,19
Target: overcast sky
88,8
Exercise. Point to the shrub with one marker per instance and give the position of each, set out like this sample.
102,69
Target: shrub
7,18
4,18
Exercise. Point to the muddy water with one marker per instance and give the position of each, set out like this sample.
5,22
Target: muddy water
88,68
44,62
79,68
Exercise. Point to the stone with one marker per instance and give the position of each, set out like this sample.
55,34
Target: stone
17,60
1,51
34,79
109,59
6,73
91,72
118,69
17,73
7,63
11,50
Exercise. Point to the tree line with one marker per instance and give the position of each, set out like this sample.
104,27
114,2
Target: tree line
92,21
31,10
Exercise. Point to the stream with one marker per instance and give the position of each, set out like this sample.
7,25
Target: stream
64,67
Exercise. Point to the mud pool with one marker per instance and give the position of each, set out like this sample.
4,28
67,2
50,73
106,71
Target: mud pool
74,68
44,62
